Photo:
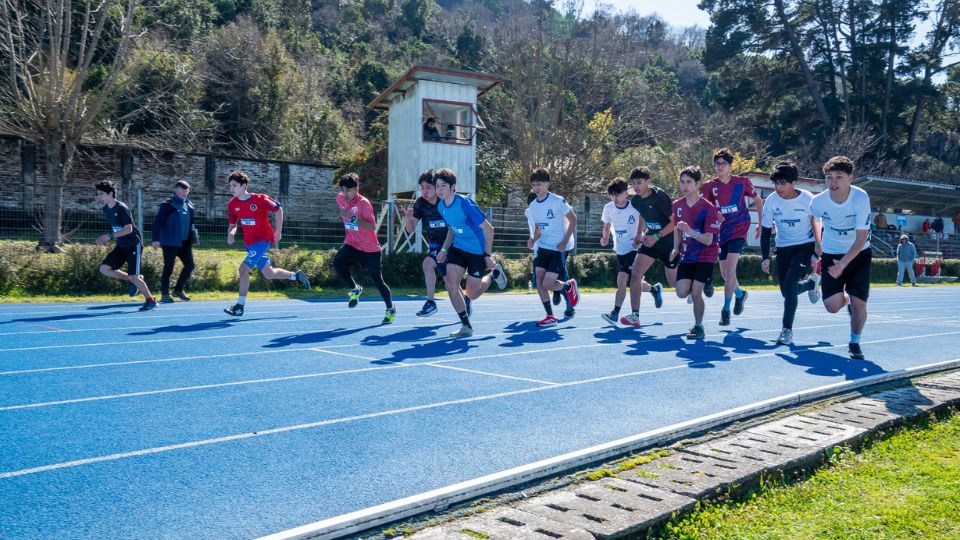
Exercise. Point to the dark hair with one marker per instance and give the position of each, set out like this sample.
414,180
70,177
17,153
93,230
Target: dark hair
239,177
107,186
617,186
531,197
446,175
426,177
785,171
640,172
431,119
182,184
693,172
838,163
349,180
724,154
540,174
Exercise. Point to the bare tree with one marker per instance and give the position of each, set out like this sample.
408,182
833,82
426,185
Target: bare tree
60,60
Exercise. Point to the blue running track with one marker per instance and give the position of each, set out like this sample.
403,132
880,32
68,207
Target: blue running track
183,422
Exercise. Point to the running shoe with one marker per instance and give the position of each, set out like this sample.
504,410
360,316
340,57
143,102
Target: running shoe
738,303
181,295
302,279
814,293
469,303
855,352
569,312
429,308
149,304
354,296
572,294
236,310
630,320
464,331
390,315
500,277
657,292
696,332
556,298
724,317
786,337
166,299
708,289
547,322
610,319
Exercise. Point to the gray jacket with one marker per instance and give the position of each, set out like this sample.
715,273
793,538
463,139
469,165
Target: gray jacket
906,252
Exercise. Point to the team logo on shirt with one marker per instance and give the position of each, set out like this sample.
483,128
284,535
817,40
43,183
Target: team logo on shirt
550,214
716,192
777,212
631,220
253,207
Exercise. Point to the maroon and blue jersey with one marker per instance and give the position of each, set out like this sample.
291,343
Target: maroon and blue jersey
730,199
703,217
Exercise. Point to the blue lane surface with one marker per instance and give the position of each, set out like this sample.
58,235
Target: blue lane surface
184,423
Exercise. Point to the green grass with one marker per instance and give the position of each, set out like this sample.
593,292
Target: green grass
905,485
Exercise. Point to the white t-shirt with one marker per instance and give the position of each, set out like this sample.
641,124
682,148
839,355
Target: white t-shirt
623,225
550,215
841,221
791,216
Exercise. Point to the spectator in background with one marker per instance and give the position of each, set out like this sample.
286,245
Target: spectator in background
880,220
906,255
956,222
937,227
926,226
174,232
430,131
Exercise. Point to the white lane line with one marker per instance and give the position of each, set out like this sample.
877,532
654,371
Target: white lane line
391,412
490,374
322,350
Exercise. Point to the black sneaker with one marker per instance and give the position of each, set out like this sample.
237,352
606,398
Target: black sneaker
149,304
657,292
165,299
855,352
708,289
302,279
181,295
696,332
236,310
569,312
429,308
724,317
556,298
738,303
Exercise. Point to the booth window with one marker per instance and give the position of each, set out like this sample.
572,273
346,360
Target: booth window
449,122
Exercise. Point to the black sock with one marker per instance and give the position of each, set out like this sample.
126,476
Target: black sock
616,310
464,319
549,307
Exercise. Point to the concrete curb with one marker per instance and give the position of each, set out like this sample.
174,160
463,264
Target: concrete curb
440,499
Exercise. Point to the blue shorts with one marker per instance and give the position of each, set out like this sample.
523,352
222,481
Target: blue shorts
257,255
734,245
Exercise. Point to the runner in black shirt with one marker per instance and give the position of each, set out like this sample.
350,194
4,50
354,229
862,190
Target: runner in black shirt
434,229
128,243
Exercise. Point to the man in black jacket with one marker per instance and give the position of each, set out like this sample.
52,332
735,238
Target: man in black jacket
175,233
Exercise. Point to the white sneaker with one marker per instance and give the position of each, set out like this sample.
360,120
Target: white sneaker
814,293
786,337
464,332
499,277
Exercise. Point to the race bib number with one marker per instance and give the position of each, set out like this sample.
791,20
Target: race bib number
621,234
457,230
437,224
728,209
116,229
653,226
248,222
351,225
543,226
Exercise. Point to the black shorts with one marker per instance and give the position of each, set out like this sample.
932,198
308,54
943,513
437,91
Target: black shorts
734,245
372,261
120,255
661,251
626,262
698,271
549,259
794,257
855,279
441,267
472,262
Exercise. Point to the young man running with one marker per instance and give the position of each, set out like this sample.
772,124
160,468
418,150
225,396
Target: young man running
434,229
695,240
621,219
654,239
466,249
844,246
251,211
789,210
360,244
555,223
557,295
128,244
728,193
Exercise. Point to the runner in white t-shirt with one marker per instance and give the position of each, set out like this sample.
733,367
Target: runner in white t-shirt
620,221
844,246
554,224
789,211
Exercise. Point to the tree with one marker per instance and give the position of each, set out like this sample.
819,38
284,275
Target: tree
60,60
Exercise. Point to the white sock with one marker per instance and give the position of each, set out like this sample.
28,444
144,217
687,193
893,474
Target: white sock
242,299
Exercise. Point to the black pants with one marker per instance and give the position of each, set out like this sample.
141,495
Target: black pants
170,256
345,257
793,262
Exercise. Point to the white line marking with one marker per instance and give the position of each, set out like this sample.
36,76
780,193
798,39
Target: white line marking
478,372
322,350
